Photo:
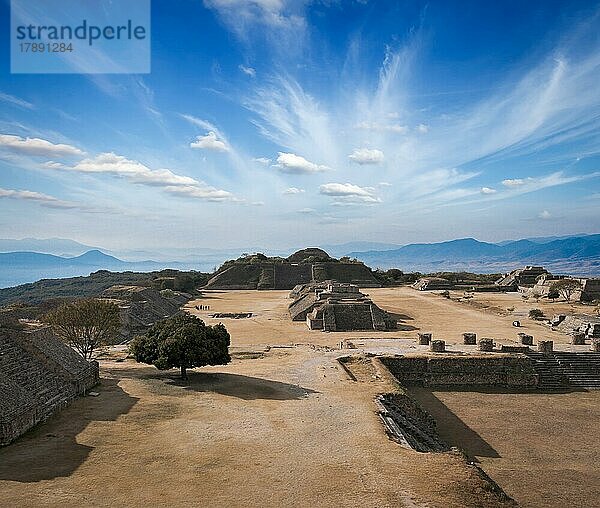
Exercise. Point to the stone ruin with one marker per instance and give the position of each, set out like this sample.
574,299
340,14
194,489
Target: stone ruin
590,288
305,266
431,284
527,276
38,376
577,323
333,306
140,307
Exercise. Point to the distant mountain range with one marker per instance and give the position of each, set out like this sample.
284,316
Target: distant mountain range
576,255
22,267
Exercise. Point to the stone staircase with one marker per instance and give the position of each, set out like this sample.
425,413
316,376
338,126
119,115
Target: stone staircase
563,369
581,369
550,376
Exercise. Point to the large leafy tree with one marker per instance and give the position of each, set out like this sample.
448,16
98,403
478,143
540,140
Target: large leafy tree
85,325
182,341
566,287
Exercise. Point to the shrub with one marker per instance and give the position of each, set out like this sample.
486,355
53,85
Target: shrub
536,314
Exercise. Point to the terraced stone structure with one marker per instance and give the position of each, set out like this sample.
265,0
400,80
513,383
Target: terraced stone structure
305,266
140,307
338,307
38,376
527,276
431,284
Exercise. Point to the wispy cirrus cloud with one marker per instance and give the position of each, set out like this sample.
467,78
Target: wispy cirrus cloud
16,101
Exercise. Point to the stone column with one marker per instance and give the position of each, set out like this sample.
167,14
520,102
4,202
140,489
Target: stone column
526,340
546,346
486,344
470,338
424,339
578,338
437,346
596,345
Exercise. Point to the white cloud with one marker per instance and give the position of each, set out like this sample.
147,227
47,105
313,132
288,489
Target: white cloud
16,101
293,190
210,142
258,203
382,127
307,210
38,197
516,182
385,184
292,163
488,190
138,173
37,147
545,214
262,160
422,128
200,191
366,156
349,194
249,71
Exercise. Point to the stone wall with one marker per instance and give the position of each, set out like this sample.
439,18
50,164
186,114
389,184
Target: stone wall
38,376
508,371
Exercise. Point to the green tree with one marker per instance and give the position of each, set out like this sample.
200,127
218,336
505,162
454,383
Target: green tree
182,341
85,325
566,287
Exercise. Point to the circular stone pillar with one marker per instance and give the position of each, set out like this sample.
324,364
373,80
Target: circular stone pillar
546,346
470,338
424,339
437,346
596,345
486,344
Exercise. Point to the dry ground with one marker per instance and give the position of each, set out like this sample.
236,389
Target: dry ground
279,426
541,448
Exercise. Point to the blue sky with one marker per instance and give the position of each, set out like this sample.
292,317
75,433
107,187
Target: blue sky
278,123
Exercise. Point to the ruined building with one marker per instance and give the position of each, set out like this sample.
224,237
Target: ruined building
333,306
258,271
522,277
431,283
38,376
140,307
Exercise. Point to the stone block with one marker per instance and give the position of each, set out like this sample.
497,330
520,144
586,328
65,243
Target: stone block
486,344
526,340
437,346
470,338
424,339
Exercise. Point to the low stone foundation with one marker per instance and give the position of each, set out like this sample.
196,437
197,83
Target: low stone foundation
507,371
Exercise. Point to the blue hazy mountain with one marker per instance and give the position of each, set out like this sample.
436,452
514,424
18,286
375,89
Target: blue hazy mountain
568,255
56,246
23,267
